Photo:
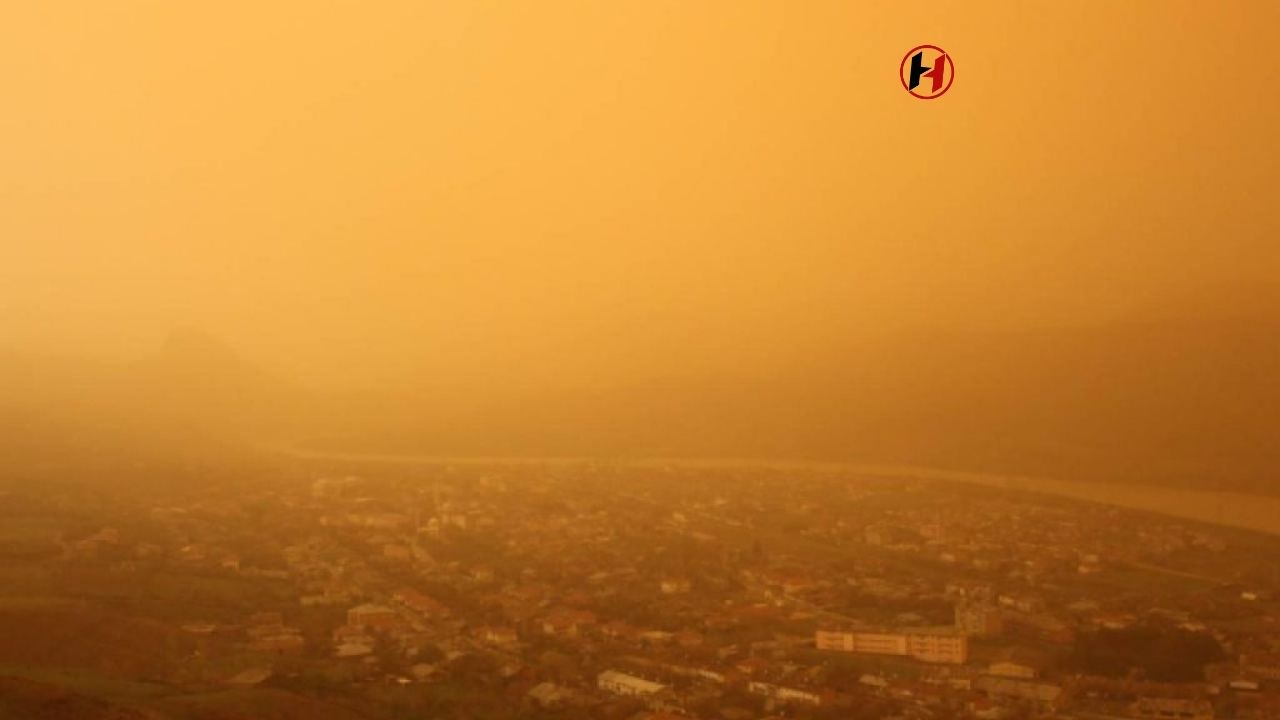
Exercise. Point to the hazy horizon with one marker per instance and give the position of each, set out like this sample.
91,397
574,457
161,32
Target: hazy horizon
658,229
452,191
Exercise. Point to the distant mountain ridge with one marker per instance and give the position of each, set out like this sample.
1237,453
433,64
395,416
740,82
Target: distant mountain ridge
193,393
1188,402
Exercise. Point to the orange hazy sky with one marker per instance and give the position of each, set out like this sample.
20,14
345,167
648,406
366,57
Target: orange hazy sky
356,191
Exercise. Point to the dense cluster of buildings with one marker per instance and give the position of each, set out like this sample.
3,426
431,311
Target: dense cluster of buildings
649,591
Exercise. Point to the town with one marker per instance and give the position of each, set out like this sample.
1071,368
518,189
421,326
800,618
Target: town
645,591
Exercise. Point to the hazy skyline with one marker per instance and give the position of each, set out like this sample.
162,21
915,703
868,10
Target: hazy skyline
355,194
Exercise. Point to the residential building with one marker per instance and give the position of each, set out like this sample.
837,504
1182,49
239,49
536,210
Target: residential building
620,683
933,646
374,616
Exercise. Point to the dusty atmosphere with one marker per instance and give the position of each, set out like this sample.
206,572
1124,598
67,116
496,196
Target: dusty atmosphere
639,360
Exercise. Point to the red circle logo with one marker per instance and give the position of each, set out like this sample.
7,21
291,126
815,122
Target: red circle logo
927,71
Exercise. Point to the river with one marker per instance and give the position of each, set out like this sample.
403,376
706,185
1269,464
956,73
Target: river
1239,510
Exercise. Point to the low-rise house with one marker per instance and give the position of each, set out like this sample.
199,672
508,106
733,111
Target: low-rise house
620,683
1261,665
618,630
271,619
752,666
288,641
250,677
497,635
422,605
353,649
675,586
369,615
689,639
1042,694
784,694
979,619
397,551
1172,709
547,696
1018,663
570,623
657,637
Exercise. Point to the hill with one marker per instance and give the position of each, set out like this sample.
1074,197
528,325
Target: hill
1191,402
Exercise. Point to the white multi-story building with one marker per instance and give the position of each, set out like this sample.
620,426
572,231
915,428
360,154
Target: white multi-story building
933,646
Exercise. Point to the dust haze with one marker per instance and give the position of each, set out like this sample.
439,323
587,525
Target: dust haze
661,230
655,360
